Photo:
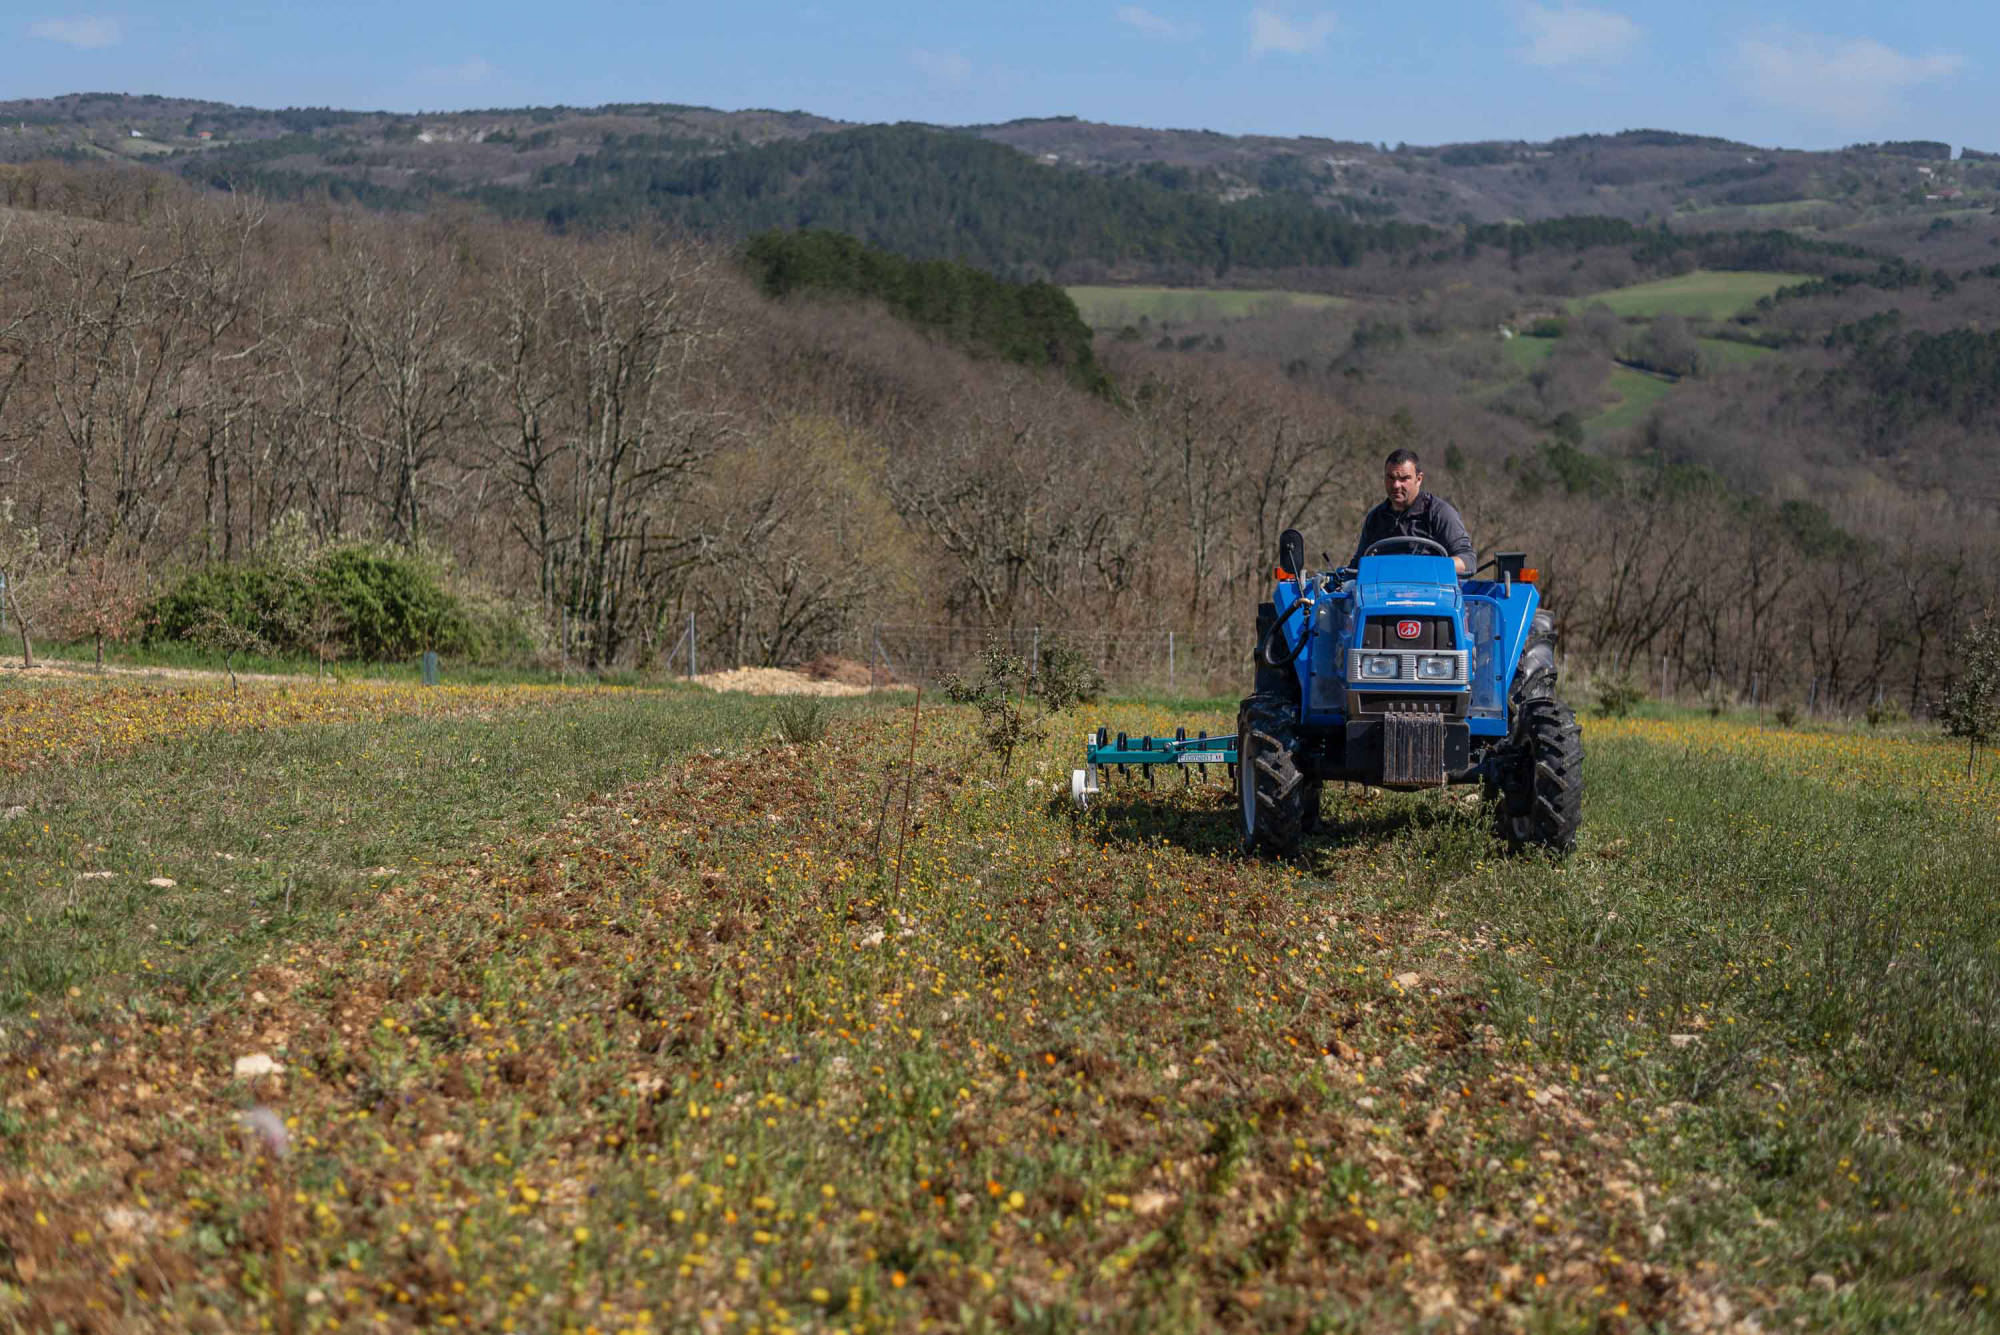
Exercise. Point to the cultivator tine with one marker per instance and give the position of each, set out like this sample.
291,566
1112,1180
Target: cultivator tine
1147,752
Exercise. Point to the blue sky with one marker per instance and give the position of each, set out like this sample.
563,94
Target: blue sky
1783,72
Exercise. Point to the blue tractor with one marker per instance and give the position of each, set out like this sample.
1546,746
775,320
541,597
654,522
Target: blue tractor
1402,675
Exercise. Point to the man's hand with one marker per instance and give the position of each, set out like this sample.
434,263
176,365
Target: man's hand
1464,566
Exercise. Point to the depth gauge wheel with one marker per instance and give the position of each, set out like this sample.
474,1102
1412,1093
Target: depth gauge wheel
1270,789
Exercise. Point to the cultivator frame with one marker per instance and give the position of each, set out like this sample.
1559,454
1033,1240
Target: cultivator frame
1190,755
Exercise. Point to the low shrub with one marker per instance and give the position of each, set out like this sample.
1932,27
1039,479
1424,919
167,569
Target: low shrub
355,600
1615,696
1885,712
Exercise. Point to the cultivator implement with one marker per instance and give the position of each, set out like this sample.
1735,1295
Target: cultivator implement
1190,755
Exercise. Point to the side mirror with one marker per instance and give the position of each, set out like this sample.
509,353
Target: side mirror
1508,565
1292,551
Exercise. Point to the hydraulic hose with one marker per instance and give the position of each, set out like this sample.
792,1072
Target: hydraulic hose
1272,638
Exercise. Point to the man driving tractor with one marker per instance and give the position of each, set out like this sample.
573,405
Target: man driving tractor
1412,512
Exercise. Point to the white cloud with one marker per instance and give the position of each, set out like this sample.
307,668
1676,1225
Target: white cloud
948,68
1272,31
1850,81
86,34
1157,25
1571,34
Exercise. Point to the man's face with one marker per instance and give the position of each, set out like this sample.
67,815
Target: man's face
1402,483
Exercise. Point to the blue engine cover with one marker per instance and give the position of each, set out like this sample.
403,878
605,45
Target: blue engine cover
1490,619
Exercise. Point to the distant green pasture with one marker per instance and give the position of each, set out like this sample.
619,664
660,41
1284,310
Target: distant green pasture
1704,294
1105,307
1727,353
1637,394
1525,354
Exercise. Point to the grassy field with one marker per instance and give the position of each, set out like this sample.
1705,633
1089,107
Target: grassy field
1727,354
1110,307
1637,394
1524,354
267,810
1705,294
698,1044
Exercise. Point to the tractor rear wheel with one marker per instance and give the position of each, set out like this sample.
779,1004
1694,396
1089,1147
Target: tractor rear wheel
1541,790
1270,788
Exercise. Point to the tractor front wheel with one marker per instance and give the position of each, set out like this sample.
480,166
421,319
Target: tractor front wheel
1541,787
1270,788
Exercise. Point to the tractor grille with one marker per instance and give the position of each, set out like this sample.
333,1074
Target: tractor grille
1413,750
1380,633
1376,704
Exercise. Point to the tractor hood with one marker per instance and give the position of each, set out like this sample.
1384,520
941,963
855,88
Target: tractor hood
1410,583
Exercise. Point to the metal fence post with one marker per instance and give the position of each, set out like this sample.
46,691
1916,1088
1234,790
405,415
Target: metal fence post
691,666
1170,660
1035,653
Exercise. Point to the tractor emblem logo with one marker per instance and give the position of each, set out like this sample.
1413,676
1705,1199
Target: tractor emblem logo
1409,630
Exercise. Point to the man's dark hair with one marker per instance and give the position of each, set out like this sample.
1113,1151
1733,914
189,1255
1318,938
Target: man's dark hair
1397,458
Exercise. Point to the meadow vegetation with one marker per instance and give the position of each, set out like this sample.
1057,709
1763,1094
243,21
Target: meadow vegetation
1702,294
664,1050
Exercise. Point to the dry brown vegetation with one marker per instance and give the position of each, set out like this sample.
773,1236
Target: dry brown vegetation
619,431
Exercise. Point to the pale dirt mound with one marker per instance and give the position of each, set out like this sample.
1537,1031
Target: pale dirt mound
832,667
777,681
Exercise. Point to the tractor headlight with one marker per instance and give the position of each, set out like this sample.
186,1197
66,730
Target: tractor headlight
1436,669
1379,667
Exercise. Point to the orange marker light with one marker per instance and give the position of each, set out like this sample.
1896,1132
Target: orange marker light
1530,574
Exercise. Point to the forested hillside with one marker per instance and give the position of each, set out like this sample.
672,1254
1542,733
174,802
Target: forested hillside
607,432
1068,198
935,194
1033,324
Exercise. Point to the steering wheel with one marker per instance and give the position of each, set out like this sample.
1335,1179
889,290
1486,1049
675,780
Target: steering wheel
1423,546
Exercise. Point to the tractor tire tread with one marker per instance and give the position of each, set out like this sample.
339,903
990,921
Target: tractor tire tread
1535,673
1553,804
1266,726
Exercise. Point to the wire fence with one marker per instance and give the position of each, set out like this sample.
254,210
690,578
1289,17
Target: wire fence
1215,661
1774,686
1174,660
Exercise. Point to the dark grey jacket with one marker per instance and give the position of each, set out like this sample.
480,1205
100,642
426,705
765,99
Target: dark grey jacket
1428,517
